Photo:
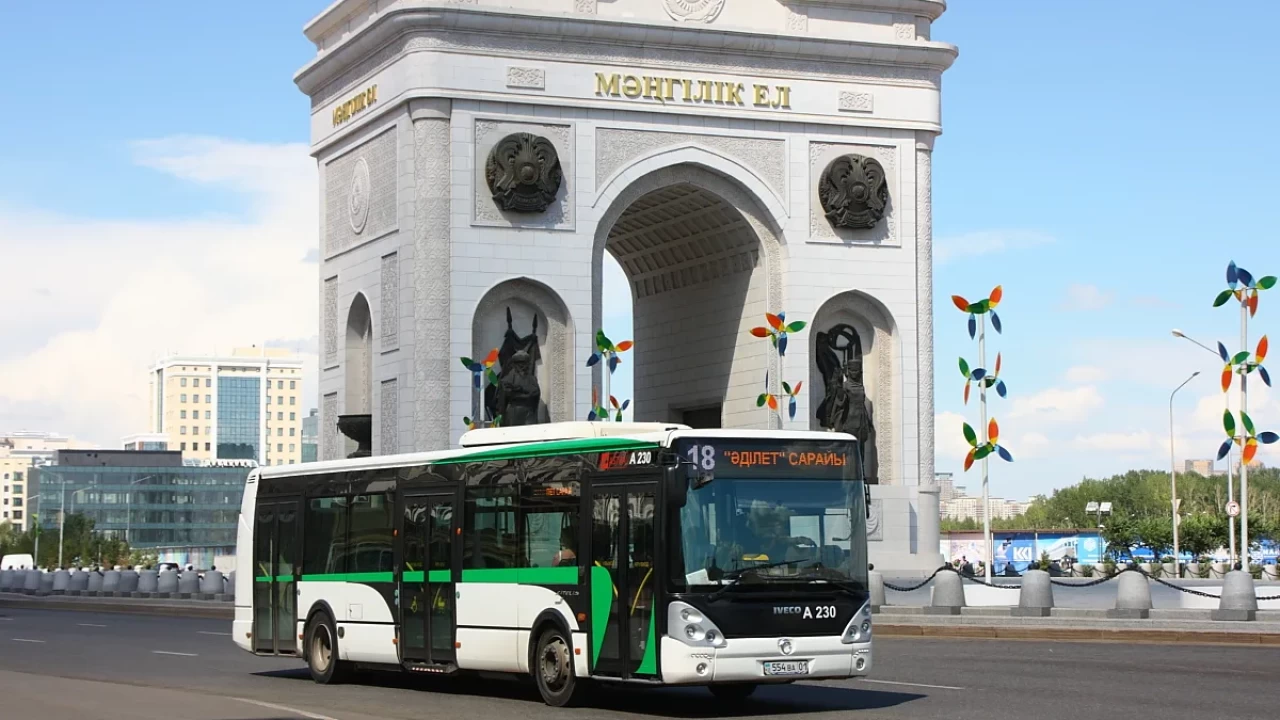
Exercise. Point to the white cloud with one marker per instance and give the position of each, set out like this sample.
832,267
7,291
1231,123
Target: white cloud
985,242
117,294
1027,445
1058,405
1117,442
1086,298
1086,374
949,446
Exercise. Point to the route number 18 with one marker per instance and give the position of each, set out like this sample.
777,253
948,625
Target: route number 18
704,456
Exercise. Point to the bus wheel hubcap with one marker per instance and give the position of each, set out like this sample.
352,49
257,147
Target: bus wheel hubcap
555,664
320,649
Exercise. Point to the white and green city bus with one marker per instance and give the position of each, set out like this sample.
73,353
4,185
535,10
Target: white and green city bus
572,552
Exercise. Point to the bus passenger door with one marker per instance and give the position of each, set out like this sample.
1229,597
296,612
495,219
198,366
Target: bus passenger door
622,580
427,577
275,593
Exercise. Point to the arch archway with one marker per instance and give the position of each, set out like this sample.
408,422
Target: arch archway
358,362
880,341
528,299
702,258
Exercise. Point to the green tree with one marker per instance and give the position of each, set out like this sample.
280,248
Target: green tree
1155,534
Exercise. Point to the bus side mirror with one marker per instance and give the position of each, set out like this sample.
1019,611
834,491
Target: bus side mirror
677,489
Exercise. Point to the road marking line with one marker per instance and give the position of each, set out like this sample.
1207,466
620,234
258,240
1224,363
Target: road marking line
207,632
907,684
89,625
165,652
284,708
26,640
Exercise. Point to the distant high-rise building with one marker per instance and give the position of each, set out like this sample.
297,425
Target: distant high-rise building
146,442
245,405
1203,468
946,486
19,453
311,436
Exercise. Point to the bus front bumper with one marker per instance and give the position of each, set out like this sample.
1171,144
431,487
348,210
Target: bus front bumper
762,660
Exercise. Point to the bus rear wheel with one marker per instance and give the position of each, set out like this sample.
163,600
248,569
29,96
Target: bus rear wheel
733,692
322,651
553,670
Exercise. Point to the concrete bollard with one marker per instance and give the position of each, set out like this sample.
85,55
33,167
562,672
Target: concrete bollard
188,584
110,582
148,583
167,583
94,588
31,583
1270,573
1170,570
6,577
46,584
1238,601
128,583
1220,570
876,582
78,583
948,594
211,585
61,582
1133,597
1036,597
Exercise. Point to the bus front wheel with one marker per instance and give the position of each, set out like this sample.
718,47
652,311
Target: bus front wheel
322,651
553,670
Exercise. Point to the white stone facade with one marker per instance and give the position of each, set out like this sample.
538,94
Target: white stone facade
711,207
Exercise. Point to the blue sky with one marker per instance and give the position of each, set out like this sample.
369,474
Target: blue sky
1101,161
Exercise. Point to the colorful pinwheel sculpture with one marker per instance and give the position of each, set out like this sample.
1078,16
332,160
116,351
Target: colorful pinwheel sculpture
600,412
482,368
608,352
982,307
777,330
992,446
1244,287
979,375
1242,363
774,401
1248,442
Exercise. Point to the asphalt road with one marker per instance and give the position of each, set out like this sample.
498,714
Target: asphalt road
60,665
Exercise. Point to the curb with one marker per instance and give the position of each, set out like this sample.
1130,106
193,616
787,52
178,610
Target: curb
210,612
979,632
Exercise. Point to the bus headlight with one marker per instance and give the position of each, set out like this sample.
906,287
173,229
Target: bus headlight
688,625
859,628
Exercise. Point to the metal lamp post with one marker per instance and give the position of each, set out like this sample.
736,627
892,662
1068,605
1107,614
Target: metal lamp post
1231,492
1173,476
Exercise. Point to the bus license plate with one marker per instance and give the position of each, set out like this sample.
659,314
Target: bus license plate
788,667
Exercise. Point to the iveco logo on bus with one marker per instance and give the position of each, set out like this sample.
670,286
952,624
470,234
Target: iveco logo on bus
787,610
820,612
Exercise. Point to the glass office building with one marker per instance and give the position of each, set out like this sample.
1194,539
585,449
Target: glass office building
183,513
239,417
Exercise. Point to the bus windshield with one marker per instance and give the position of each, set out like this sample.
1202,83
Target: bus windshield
785,527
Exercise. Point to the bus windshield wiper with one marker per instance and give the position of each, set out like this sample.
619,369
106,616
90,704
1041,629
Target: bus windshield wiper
737,574
843,586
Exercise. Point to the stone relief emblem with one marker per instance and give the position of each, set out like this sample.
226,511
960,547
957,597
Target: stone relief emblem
358,196
693,10
523,173
854,192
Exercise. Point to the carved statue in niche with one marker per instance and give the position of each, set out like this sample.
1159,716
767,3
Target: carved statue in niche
523,173
854,192
845,406
517,398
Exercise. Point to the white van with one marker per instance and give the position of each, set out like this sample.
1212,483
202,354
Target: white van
17,562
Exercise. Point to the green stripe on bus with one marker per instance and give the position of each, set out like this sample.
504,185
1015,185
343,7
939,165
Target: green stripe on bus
649,663
601,601
559,447
525,576
435,576
361,577
278,578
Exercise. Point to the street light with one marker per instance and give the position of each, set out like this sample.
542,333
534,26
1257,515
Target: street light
1173,477
1099,509
1231,492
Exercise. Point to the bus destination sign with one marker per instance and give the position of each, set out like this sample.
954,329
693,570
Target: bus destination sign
783,458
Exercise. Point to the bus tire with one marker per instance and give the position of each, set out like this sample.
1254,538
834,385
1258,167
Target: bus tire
322,651
552,669
732,693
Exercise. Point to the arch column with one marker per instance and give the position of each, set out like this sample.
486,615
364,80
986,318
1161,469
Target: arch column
431,271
